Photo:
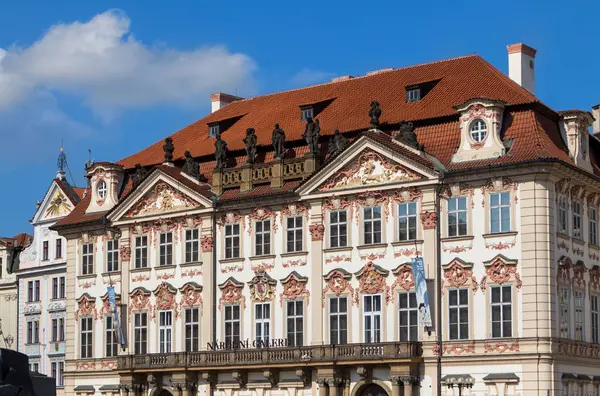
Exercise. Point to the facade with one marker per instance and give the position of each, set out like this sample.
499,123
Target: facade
280,263
41,282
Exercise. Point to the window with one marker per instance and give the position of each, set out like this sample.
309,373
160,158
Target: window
372,318
87,259
141,252
306,113
45,253
457,216
478,130
86,334
593,227
338,229
54,288
562,215
30,291
191,246
578,300
34,367
55,330
213,130
262,323
101,189
36,290
338,320
112,255
372,225
263,238
295,323
192,329
232,324
33,332
595,320
500,212
294,234
61,287
413,94
458,314
564,312
166,248
111,338
58,369
407,225
577,220
232,241
501,311
408,317
140,333
61,329
58,253
165,329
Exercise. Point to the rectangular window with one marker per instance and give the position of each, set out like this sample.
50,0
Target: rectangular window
87,259
192,329
45,253
33,332
57,372
61,329
30,291
295,323
36,290
54,330
372,225
593,227
62,288
191,246
58,248
111,338
338,320
232,324
262,323
294,234
112,255
457,216
562,215
34,367
407,221
413,95
232,241
501,302
408,317
564,312
338,229
306,113
577,220
165,331
500,212
579,318
458,314
213,130
140,333
86,334
372,318
595,320
141,252
262,243
166,248
54,288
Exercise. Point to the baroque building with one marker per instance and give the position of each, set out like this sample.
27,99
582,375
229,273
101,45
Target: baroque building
284,262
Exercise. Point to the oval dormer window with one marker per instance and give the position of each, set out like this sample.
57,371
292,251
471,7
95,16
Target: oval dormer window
101,189
478,130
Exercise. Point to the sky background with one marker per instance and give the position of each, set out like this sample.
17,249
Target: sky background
115,77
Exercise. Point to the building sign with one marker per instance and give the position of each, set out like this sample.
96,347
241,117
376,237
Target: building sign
247,344
418,268
112,301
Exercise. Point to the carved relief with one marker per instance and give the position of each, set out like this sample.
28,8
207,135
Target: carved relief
563,270
337,203
578,272
338,258
231,218
316,231
206,242
594,278
294,288
139,301
457,273
293,210
404,194
404,277
231,293
407,252
498,185
191,221
262,213
163,198
429,220
371,198
371,280
262,287
191,273
165,299
86,306
499,270
125,253
191,296
337,282
501,347
294,263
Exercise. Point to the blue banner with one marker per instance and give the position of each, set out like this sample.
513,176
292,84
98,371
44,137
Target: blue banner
418,268
112,300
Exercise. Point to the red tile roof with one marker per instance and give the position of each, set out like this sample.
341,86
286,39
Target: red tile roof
20,240
78,214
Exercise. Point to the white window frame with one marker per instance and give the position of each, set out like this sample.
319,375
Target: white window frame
111,343
58,248
478,130
165,249
502,206
579,304
54,330
500,305
413,94
192,245
341,332
86,340
192,329
140,333
294,234
262,237
564,319
595,311
593,216
232,240
262,324
45,250
141,251
55,288
62,287
87,258
58,369
36,290
295,323
576,205
460,306
453,206
407,221
338,229
232,326
306,113
563,219
371,217
101,189
30,291
372,318
112,255
213,130
165,331
408,316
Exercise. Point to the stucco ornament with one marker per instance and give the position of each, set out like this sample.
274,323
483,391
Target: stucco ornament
337,203
578,275
262,287
165,298
457,273
404,277
139,301
163,198
58,205
206,242
232,293
191,295
294,288
262,213
338,282
429,220
499,270
371,280
404,194
125,253
316,231
86,306
594,278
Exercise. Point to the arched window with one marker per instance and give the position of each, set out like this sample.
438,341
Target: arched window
478,130
101,189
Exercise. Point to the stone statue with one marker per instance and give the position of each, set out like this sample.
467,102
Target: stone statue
278,142
311,135
191,167
406,134
168,149
220,152
337,143
139,175
250,141
375,113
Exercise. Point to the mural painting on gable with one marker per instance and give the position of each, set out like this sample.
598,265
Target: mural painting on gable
370,168
58,205
162,198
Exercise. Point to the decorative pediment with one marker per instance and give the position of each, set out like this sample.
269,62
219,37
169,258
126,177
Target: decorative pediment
262,287
404,277
161,198
262,213
231,292
106,308
338,282
594,278
191,295
165,298
458,272
372,280
579,270
86,306
294,287
563,270
139,301
499,270
58,205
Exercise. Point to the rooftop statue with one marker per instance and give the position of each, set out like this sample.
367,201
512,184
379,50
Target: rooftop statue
406,134
220,152
250,141
278,139
311,135
337,143
191,166
139,175
375,113
168,149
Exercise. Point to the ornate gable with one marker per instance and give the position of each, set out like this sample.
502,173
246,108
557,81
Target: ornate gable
294,287
338,282
457,272
262,287
499,270
372,280
160,199
232,292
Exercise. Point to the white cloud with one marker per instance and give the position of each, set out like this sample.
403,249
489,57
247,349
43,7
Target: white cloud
309,77
101,61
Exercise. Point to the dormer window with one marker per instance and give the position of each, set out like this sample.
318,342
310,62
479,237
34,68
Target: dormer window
306,113
101,189
478,130
213,130
413,94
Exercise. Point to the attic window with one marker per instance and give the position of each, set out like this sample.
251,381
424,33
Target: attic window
213,130
413,94
306,113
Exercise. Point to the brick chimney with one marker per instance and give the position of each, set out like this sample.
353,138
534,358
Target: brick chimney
220,100
521,65
596,124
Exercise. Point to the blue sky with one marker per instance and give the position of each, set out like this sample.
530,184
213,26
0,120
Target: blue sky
115,77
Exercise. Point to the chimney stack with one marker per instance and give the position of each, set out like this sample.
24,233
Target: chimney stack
220,100
521,67
596,124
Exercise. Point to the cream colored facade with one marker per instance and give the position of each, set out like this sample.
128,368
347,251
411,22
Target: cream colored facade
8,298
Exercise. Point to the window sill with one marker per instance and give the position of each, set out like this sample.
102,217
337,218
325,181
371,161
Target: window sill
292,254
111,273
458,238
161,267
88,276
338,249
578,241
408,243
32,344
500,234
593,246
263,257
371,246
231,260
191,264
58,299
563,236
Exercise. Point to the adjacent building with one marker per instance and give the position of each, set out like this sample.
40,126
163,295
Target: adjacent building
268,248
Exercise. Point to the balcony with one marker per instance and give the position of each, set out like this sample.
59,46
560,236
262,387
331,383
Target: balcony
266,357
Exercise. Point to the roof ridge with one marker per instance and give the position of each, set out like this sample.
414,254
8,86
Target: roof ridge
507,78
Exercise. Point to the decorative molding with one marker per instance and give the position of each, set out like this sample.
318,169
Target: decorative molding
139,301
85,365
372,280
294,263
295,209
140,278
372,198
232,217
165,299
407,252
226,269
594,274
162,198
207,243
262,213
428,220
337,282
125,253
108,364
407,194
499,184
404,277
338,258
191,296
316,231
191,273
337,203
499,270
86,306
262,287
501,346
294,288
232,293
457,273
579,270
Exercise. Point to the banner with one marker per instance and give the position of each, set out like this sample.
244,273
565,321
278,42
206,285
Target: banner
112,300
418,268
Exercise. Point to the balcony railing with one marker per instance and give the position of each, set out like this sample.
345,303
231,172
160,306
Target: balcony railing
272,356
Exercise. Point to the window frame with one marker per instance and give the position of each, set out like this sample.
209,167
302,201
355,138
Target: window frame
595,317
166,257
306,113
191,246
58,248
112,255
338,225
372,221
296,320
191,342
407,216
460,306
410,312
213,130
232,338
296,232
457,212
62,287
338,314
593,226
45,250
140,252
563,215
499,207
263,329
579,315
165,331
111,343
370,333
86,333
87,258
261,234
232,238
576,218
413,94
479,131
501,305
564,324
140,333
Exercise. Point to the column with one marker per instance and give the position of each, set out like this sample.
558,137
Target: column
317,229
395,386
322,387
408,382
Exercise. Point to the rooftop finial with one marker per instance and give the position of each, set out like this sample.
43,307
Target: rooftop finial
61,164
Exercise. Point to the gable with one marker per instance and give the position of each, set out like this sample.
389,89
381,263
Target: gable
161,198
56,205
